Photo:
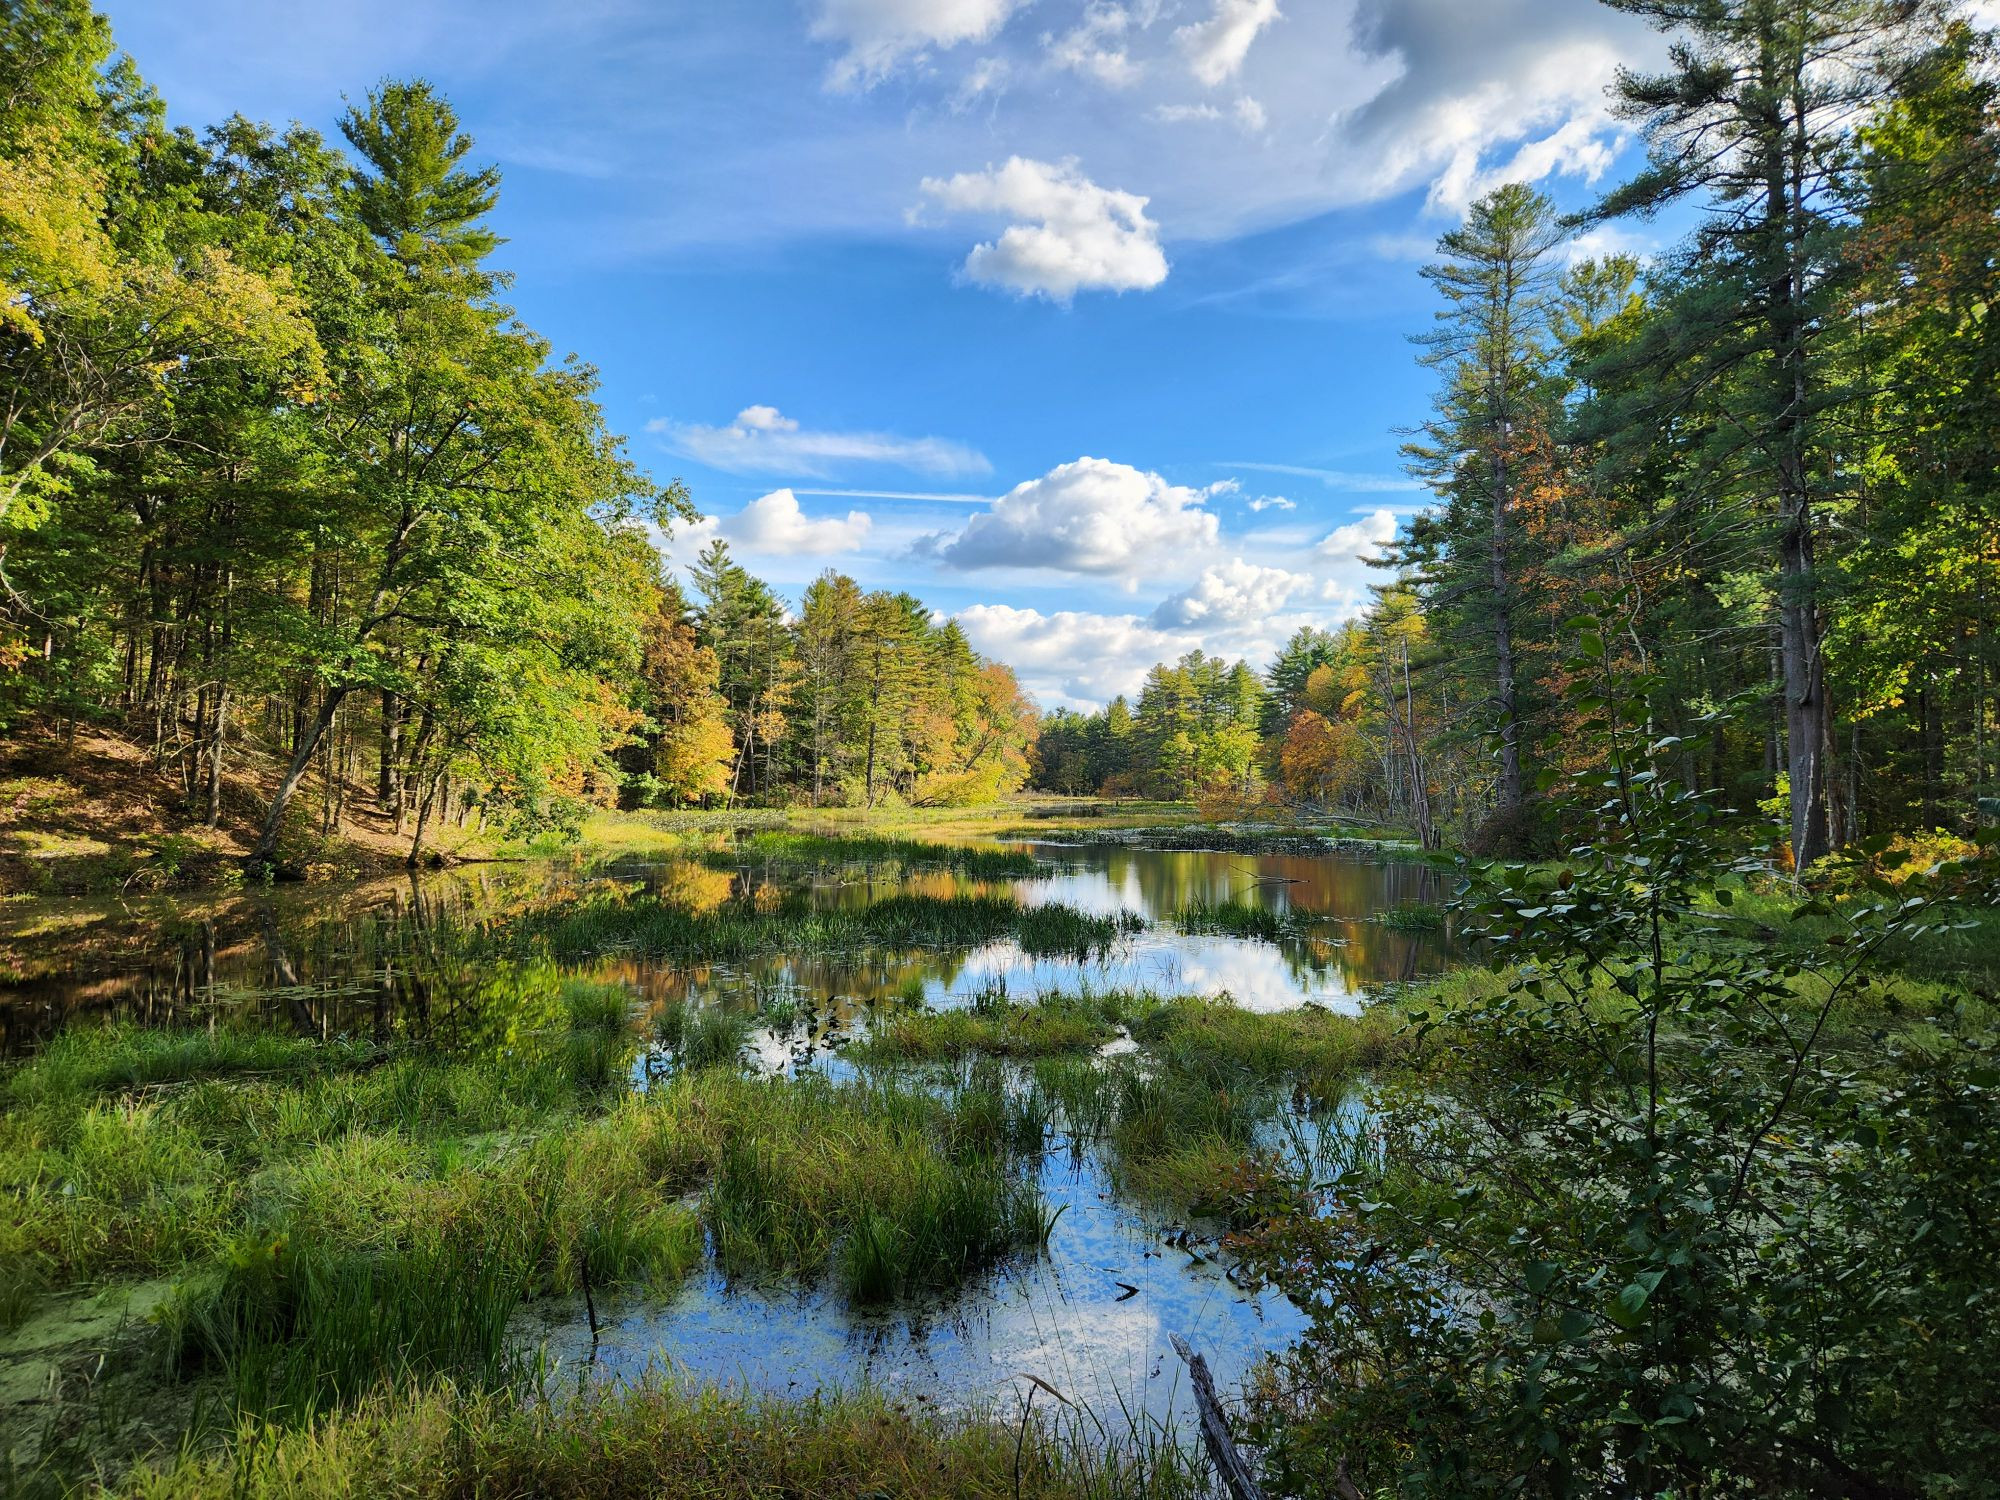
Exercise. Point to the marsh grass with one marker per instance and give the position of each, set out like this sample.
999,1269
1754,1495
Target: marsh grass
377,1257
1311,1049
893,1188
996,1028
144,1181
1237,919
124,1056
1412,916
740,930
701,1036
824,850
657,1438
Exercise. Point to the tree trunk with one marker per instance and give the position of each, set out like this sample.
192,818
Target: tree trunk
388,762
424,806
267,841
1801,655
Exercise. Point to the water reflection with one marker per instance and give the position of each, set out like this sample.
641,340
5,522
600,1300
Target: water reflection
1070,1318
366,959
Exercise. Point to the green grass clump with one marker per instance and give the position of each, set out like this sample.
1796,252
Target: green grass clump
702,1036
1236,918
107,1059
823,850
596,1005
894,1188
377,1256
1055,930
738,930
1224,1045
1056,1023
144,1183
1162,1114
1412,916
657,1438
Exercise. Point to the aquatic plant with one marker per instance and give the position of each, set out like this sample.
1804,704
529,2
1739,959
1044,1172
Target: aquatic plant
83,1059
1412,916
702,1036
824,850
1236,918
1003,1029
905,1189
738,930
1311,1048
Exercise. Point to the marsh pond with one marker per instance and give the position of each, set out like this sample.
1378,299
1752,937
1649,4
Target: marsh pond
962,1123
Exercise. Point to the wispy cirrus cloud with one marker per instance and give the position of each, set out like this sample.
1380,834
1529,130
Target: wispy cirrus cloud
881,36
1338,479
763,440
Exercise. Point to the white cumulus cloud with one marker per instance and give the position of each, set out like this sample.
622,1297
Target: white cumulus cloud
882,35
1215,48
1235,593
774,524
763,440
1070,656
1088,516
1361,539
1073,235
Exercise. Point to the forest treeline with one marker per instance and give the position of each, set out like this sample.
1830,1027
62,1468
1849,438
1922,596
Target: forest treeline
1773,444
285,484
284,480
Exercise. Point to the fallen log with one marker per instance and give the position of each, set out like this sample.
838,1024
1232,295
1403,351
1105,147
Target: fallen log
1229,1465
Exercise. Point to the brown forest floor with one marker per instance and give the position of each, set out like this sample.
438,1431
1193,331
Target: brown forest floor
86,810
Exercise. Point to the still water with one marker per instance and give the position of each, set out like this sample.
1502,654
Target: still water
350,960
1091,1317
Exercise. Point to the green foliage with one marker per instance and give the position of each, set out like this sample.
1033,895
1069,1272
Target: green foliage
1645,1222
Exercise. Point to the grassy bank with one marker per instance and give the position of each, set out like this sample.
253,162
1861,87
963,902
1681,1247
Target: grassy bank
656,1440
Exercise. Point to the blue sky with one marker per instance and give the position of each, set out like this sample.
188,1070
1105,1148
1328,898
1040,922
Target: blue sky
1086,321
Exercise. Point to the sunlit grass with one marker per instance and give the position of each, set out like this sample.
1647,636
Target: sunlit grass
658,1439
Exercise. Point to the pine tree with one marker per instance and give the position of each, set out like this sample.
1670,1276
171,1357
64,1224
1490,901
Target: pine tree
1498,277
1750,116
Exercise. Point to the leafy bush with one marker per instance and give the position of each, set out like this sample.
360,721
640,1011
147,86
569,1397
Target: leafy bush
1650,1221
